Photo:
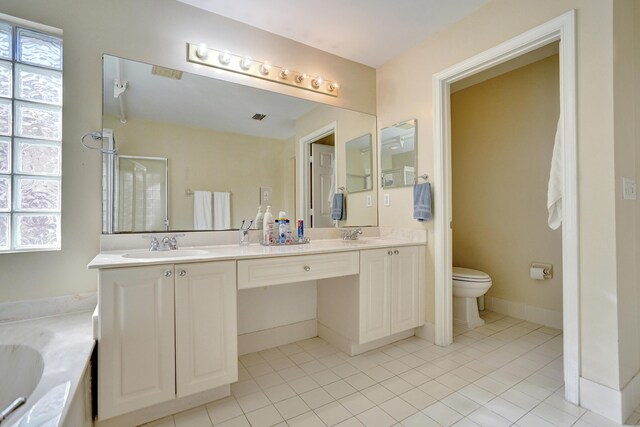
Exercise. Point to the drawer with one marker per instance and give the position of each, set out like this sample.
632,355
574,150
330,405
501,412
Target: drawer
255,273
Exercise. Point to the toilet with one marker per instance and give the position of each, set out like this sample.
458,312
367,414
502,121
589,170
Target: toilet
468,285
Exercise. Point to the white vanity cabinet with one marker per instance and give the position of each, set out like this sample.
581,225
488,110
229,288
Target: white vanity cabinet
358,313
143,359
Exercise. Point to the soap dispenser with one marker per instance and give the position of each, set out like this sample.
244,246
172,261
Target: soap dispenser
259,219
268,225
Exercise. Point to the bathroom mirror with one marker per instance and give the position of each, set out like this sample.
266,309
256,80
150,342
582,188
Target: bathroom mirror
359,160
229,140
398,154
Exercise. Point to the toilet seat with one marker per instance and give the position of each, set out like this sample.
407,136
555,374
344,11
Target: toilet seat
461,274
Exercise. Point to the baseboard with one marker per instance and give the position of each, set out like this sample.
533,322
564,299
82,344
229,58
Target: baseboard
426,332
519,310
617,405
163,409
631,396
45,307
352,349
274,337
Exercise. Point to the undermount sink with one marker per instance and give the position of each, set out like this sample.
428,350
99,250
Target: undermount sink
179,253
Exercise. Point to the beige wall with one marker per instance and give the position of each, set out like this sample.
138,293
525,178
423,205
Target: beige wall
404,90
203,159
349,125
503,133
152,31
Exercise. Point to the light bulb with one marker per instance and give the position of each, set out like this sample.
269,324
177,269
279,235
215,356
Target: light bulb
265,68
245,63
284,74
300,78
202,52
333,86
224,58
317,82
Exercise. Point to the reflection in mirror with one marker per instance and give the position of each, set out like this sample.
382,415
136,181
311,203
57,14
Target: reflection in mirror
398,154
221,138
359,164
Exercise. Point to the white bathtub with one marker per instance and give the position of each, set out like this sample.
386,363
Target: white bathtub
45,360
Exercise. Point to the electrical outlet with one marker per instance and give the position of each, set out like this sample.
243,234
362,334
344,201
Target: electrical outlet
369,201
629,191
387,199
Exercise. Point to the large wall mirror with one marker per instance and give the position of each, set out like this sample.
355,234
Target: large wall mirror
230,141
398,154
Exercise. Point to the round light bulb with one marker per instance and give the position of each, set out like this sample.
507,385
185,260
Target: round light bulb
284,74
245,63
317,82
265,68
224,58
300,78
333,86
202,52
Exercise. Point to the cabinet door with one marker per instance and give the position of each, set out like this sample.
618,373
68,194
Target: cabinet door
405,289
206,331
136,349
375,294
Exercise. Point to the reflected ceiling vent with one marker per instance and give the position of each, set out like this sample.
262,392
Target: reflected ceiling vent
258,116
166,72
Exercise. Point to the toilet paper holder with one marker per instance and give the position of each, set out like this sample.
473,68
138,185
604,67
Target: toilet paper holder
547,271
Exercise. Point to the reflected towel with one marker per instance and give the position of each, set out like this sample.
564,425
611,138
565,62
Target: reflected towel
554,191
422,202
221,210
339,207
202,210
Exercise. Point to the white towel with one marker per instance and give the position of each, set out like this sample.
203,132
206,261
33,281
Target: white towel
221,210
202,210
556,182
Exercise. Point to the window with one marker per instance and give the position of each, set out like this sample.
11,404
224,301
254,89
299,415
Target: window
30,139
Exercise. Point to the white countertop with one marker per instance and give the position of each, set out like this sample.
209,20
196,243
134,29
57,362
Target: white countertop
116,258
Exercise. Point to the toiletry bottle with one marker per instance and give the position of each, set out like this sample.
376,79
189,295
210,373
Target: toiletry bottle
282,231
259,219
267,225
289,232
300,230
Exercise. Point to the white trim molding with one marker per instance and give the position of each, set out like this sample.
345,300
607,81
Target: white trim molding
560,29
524,311
616,405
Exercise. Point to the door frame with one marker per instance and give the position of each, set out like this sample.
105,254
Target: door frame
560,29
304,144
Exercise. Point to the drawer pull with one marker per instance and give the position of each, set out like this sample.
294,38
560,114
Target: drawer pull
167,273
307,268
182,273
396,252
390,252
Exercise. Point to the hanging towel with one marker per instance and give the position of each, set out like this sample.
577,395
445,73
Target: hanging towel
202,210
556,180
339,207
221,210
422,202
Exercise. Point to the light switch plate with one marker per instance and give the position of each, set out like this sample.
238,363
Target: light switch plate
387,199
265,196
629,191
369,201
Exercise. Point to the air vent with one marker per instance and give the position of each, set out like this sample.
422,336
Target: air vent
258,116
166,72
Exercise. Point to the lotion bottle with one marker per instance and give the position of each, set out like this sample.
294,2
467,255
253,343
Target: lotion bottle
259,219
268,225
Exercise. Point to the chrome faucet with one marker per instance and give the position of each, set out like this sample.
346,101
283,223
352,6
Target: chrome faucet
348,234
168,243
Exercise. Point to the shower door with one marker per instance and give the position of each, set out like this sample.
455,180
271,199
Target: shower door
141,196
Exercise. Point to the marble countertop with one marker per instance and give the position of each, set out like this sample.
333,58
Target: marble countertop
126,258
65,343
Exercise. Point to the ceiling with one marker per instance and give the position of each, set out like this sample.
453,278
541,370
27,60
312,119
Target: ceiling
370,32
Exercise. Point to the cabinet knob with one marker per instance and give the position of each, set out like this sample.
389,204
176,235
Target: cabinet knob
182,273
396,252
167,273
307,268
390,252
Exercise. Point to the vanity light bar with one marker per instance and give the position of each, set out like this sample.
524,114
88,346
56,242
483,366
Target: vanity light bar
201,54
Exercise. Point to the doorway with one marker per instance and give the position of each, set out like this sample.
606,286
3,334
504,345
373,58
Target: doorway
560,29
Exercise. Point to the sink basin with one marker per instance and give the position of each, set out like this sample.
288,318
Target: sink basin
355,242
180,253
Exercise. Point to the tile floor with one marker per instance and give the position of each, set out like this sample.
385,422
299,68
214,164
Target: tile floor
506,373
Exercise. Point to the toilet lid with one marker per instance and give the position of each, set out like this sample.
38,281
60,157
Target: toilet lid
469,275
